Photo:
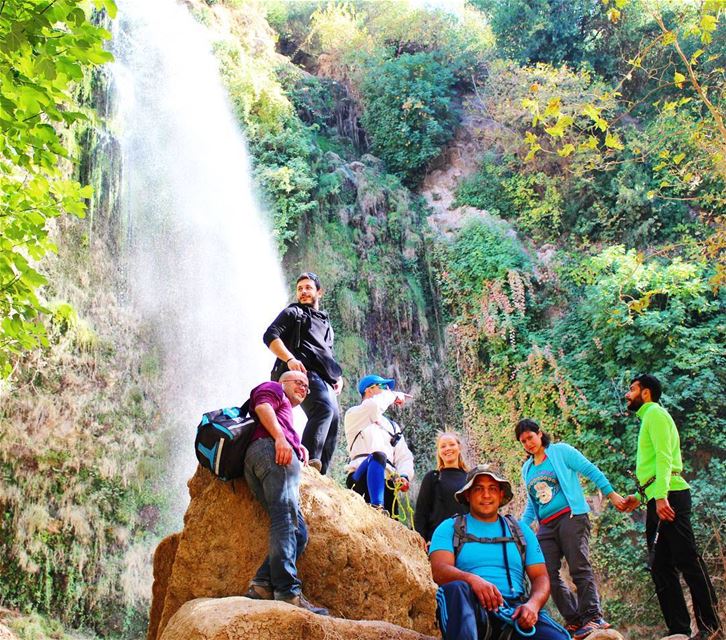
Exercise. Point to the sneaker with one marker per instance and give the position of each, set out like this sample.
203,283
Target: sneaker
302,602
571,628
586,629
259,592
316,464
705,634
380,508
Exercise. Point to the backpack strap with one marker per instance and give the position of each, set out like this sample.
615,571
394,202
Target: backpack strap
518,536
461,537
459,534
299,314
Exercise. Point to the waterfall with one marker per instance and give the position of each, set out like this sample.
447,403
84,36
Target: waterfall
201,266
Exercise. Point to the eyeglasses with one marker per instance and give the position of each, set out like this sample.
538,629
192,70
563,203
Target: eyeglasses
382,385
300,383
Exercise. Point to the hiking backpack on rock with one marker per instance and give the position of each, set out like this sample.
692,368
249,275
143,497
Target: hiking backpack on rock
222,440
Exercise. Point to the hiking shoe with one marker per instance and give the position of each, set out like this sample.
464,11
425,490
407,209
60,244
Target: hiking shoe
380,508
586,629
316,464
258,592
302,602
571,628
705,634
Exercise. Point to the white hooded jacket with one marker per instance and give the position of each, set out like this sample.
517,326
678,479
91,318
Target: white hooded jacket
367,430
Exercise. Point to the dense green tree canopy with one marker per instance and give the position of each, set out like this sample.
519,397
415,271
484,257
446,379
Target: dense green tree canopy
45,47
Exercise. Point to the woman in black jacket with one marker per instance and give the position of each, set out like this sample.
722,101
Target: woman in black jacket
436,501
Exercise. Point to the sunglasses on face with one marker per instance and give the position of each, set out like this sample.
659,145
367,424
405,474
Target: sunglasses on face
382,385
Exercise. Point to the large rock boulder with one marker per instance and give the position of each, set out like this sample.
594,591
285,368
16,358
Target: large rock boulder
163,562
238,618
359,564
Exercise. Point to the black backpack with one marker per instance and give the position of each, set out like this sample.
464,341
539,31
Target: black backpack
222,440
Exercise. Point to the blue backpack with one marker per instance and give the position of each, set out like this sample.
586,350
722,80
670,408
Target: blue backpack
222,440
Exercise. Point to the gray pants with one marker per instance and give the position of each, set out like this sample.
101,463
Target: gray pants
569,537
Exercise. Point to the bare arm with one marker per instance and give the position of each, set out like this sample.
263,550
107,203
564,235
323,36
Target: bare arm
527,613
277,346
268,419
444,571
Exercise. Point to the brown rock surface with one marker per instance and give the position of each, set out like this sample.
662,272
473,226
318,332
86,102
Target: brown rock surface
6,634
236,617
163,562
359,564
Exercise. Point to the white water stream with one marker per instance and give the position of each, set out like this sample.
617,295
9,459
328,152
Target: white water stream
202,268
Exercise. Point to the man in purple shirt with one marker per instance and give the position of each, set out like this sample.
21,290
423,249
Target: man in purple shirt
272,472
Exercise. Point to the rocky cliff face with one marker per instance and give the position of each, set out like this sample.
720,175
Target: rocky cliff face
358,563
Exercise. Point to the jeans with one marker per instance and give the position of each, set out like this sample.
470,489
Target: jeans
676,551
321,430
570,537
461,617
277,488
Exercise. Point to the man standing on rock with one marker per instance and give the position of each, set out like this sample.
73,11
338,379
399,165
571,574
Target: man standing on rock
376,445
272,472
669,535
302,340
480,560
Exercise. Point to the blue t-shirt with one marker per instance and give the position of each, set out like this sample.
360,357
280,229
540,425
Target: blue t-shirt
544,489
487,560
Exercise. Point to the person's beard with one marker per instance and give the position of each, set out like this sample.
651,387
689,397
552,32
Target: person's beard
635,404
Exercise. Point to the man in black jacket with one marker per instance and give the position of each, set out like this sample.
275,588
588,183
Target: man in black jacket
302,340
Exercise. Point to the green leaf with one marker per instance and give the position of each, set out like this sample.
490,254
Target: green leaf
679,79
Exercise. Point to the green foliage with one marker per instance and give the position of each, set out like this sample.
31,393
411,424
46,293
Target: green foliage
532,200
483,250
551,31
45,48
409,113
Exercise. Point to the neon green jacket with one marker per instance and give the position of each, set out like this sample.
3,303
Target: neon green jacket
659,452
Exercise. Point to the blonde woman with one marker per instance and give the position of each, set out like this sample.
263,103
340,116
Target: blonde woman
436,500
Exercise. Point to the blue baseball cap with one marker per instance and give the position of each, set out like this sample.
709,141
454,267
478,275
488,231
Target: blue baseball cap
369,381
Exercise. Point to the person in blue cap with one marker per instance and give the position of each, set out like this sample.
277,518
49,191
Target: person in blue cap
376,446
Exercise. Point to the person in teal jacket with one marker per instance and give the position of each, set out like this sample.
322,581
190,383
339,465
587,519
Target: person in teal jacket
556,501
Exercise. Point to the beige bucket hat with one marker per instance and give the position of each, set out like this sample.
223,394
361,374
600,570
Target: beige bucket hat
485,470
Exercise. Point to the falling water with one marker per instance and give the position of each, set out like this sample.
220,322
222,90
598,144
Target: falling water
201,265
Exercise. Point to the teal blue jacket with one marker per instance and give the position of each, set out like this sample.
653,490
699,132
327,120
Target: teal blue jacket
568,462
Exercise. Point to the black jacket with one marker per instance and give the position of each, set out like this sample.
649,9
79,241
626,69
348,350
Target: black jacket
314,348
435,502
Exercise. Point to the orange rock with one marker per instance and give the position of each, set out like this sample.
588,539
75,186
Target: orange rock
232,618
359,564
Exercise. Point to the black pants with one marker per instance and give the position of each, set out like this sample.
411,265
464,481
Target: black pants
676,551
321,431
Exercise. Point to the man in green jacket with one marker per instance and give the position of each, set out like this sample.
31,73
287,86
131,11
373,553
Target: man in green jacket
668,530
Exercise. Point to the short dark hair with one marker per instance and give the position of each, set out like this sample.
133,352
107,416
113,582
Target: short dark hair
530,425
650,382
309,275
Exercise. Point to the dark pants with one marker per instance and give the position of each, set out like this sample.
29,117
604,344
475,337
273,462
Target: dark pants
569,537
676,551
321,431
461,617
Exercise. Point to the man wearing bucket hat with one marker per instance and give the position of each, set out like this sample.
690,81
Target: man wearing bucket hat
376,446
480,561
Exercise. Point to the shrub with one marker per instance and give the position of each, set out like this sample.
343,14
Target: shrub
409,114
